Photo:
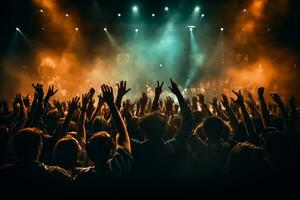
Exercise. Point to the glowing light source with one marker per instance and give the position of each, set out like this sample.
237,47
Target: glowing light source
166,8
135,9
202,15
119,14
136,30
244,10
17,29
221,29
197,9
191,29
41,10
67,15
160,65
105,29
153,15
76,29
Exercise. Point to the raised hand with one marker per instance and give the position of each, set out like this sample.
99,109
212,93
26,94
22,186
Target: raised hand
260,91
92,91
158,89
201,98
276,98
107,93
214,103
144,99
57,104
122,88
51,92
73,104
292,101
85,100
174,88
169,105
239,98
26,101
100,100
18,98
225,101
39,92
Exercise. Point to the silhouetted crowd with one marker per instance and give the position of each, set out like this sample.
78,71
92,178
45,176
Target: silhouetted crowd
122,147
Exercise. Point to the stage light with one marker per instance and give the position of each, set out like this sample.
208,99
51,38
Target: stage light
153,15
136,30
197,9
67,15
135,9
76,29
105,29
221,29
160,65
119,14
41,10
244,10
43,28
17,29
202,15
166,8
191,29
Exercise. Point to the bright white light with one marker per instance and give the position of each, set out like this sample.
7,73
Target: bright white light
166,8
153,15
119,14
105,29
221,29
202,15
41,10
17,29
76,29
67,15
136,30
197,9
191,29
160,65
244,10
135,9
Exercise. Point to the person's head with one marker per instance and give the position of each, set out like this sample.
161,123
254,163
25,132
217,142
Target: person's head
100,148
99,124
245,158
153,125
213,128
52,119
278,148
28,144
66,152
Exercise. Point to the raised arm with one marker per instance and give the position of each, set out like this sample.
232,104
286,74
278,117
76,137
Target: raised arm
51,92
38,109
276,98
82,117
218,109
186,112
72,106
158,91
122,139
265,115
98,108
246,118
121,93
232,118
203,105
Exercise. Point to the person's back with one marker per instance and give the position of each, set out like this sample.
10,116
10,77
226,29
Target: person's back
28,172
216,151
154,158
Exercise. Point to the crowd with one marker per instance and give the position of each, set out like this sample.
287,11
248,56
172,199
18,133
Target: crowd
83,147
